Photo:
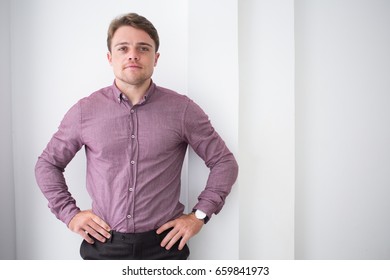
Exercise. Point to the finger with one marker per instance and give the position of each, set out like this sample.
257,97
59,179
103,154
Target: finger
164,227
182,243
101,231
171,243
101,223
86,236
174,240
93,232
168,237
99,226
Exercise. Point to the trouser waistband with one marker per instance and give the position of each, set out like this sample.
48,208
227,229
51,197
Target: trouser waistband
133,246
142,237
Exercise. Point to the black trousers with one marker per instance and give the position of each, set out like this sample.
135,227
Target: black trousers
132,246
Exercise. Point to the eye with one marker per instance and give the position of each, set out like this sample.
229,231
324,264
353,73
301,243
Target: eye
122,49
144,49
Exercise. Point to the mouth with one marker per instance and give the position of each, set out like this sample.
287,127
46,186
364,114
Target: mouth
132,66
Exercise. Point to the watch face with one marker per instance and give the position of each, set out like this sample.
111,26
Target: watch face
200,215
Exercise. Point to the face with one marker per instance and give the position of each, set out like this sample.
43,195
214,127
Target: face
132,57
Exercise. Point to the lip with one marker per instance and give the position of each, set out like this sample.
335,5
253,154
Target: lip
132,66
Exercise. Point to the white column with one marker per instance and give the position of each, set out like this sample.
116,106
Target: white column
266,134
343,129
7,194
213,84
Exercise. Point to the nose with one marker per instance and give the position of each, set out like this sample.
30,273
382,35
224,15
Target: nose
133,55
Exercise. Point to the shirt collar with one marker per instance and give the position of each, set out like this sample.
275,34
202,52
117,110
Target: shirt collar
119,96
117,92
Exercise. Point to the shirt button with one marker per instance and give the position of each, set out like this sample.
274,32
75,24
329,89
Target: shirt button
128,216
132,162
132,111
131,189
132,136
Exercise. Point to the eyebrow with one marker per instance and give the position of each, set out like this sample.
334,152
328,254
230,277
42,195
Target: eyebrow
138,44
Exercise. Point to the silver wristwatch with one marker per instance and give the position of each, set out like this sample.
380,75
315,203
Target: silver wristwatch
199,214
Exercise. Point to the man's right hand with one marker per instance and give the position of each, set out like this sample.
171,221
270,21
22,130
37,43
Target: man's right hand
87,224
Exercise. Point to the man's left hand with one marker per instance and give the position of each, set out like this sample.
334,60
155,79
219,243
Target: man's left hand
183,227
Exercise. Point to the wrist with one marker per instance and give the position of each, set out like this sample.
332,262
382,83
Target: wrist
200,215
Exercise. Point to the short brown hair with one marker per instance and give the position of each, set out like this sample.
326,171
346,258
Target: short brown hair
136,21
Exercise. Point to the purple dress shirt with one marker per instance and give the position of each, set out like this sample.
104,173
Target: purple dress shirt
134,158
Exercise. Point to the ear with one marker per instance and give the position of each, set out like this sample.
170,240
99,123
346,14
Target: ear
109,57
156,59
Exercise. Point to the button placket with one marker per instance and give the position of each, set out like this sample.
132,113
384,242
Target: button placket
133,170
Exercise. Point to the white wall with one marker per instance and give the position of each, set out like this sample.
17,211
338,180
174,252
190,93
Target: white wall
60,57
7,197
343,129
314,155
266,122
213,83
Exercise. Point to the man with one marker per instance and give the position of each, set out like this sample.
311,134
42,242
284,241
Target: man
135,135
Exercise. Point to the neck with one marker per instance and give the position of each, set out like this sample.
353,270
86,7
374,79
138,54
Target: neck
133,92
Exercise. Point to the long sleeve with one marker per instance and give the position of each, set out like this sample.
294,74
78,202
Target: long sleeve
49,169
206,142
